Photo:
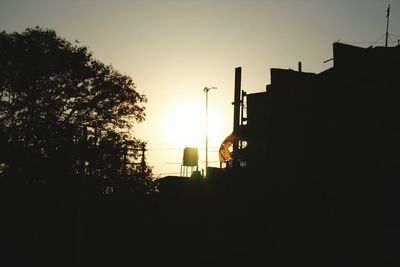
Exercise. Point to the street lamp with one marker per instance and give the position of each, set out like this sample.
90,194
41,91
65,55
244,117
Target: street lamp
206,89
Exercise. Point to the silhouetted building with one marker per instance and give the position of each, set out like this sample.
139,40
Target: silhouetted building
326,149
333,120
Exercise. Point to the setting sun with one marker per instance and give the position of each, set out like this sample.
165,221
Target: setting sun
185,124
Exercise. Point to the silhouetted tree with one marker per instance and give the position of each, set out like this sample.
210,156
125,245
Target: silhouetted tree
65,117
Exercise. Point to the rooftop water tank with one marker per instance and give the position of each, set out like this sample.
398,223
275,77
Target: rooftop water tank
190,157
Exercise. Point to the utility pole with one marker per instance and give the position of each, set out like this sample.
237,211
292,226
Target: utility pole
387,25
206,90
143,162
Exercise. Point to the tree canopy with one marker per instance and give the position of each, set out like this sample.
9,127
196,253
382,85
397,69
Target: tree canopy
65,115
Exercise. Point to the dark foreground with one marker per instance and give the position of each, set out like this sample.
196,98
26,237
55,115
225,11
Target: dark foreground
233,220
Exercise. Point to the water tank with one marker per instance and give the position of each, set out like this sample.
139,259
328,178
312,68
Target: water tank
190,156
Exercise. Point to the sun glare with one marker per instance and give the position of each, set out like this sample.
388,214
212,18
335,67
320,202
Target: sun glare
185,125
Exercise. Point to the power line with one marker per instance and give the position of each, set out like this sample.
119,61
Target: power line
212,161
178,149
379,40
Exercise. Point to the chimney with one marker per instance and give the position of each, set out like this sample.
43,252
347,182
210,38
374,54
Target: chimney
300,70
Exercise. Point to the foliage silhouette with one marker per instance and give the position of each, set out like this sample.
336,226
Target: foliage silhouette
66,118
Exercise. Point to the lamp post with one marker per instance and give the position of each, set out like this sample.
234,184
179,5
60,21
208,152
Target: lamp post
206,90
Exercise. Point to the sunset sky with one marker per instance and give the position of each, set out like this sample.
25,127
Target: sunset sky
174,48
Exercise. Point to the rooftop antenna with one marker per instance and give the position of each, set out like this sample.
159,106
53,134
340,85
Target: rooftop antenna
387,25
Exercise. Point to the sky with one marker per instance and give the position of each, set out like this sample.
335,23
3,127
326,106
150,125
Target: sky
174,48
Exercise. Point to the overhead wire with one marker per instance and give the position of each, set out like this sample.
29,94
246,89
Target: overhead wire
372,43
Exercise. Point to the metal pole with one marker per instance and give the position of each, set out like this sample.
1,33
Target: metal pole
236,115
206,89
143,162
206,130
387,25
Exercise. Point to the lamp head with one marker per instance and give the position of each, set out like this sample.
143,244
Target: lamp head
206,89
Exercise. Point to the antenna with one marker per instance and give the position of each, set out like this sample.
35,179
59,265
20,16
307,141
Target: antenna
387,25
